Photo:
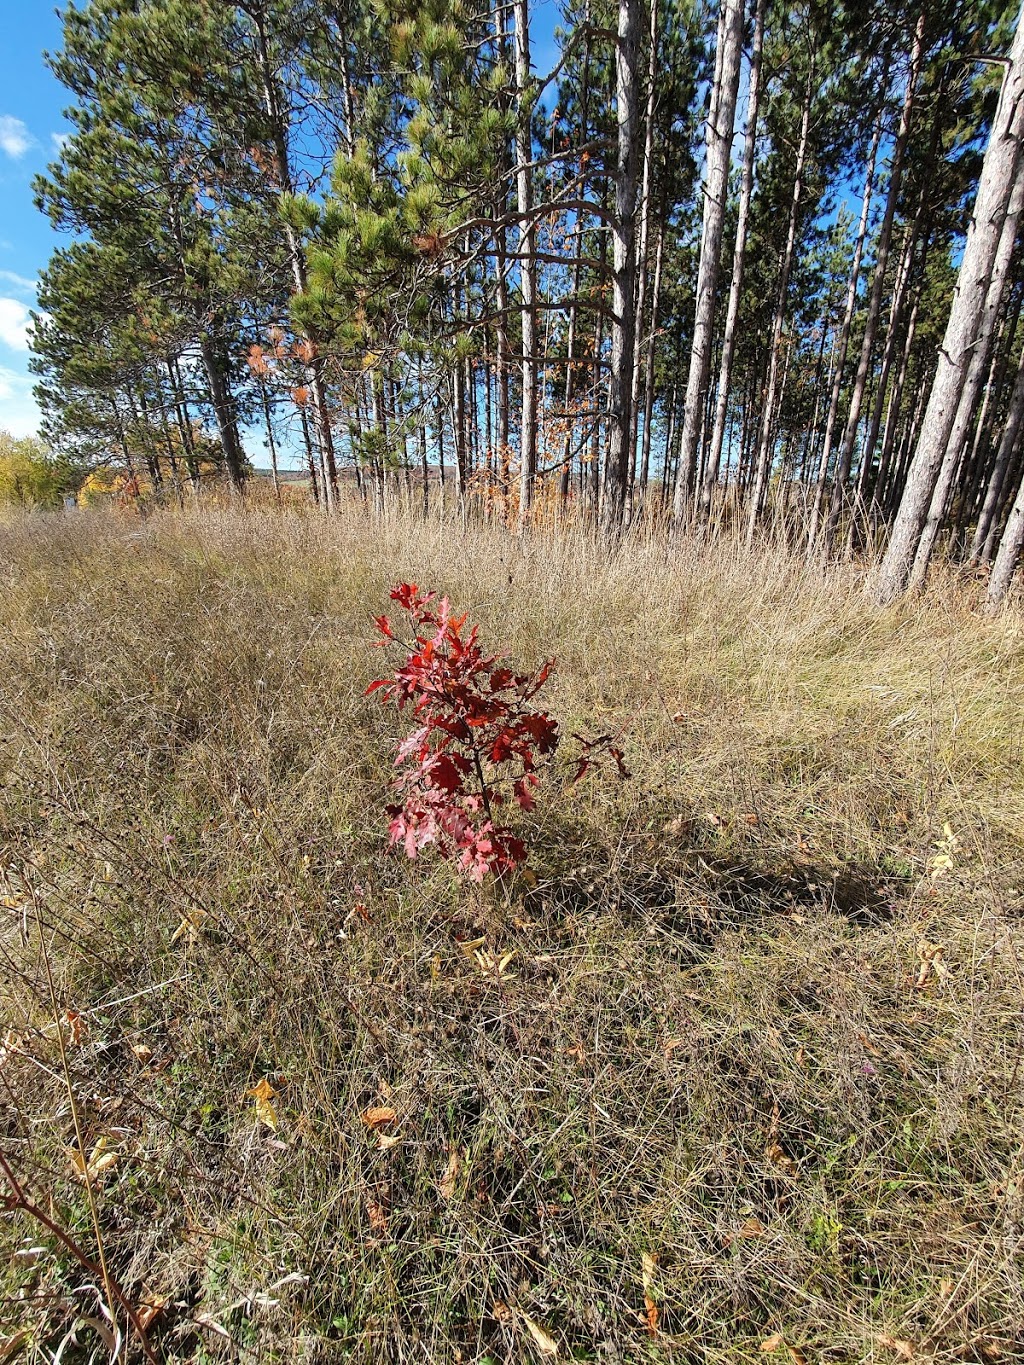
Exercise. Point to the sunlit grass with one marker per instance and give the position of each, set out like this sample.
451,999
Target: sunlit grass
719,1042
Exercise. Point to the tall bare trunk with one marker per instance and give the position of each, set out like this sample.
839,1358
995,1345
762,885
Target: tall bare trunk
739,255
843,340
720,126
645,460
1002,157
314,365
224,414
897,305
874,310
1009,444
527,262
620,386
271,443
643,245
1008,554
976,366
765,433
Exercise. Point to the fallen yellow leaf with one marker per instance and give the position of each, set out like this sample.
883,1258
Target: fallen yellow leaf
101,1160
190,926
772,1343
262,1094
545,1344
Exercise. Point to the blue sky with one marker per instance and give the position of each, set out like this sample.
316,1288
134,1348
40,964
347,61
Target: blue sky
31,125
31,102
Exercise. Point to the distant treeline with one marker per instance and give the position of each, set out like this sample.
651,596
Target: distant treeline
754,259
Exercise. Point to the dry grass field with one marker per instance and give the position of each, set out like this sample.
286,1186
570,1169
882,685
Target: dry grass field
750,1087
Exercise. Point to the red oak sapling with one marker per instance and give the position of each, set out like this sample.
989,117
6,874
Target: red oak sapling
477,742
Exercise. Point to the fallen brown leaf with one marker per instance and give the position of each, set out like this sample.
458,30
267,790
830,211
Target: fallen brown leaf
379,1116
378,1218
13,1345
771,1343
652,1315
903,1349
151,1309
448,1182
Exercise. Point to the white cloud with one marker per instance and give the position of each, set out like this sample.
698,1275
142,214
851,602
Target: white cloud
15,138
27,286
14,324
18,412
59,141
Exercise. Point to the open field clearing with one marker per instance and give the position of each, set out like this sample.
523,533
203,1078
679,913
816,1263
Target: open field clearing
736,1075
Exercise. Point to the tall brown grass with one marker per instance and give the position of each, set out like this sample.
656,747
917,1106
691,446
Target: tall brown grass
751,1085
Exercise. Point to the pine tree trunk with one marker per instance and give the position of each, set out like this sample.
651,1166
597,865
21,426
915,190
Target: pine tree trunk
1009,445
874,310
527,263
843,340
271,443
983,451
643,245
714,458
184,427
999,168
764,443
880,489
223,411
898,303
721,122
1008,554
623,233
645,460
314,369
976,366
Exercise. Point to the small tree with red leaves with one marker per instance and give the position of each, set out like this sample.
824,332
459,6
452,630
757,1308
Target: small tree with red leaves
477,742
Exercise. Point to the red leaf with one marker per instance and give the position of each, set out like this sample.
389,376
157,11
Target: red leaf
469,714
